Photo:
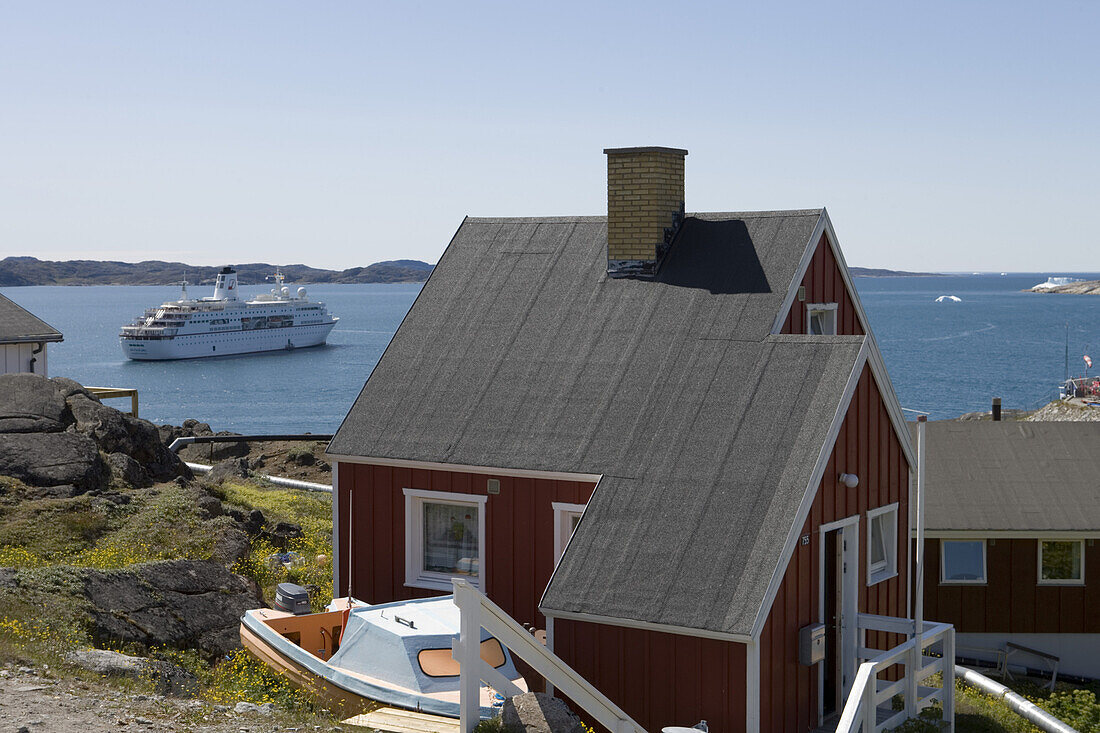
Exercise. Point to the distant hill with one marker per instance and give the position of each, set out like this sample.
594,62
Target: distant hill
879,272
33,271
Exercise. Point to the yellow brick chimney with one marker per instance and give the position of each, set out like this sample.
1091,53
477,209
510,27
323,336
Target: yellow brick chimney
645,205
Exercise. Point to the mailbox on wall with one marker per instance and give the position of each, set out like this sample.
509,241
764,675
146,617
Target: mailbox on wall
811,644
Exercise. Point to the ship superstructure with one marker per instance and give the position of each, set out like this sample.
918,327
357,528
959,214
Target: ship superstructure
224,324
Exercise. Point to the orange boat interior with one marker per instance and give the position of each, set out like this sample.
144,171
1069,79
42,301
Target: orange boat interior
317,633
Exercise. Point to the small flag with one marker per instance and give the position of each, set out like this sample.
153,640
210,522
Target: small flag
1088,361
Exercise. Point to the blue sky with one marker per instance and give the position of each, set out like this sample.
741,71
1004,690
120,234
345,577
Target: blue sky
946,136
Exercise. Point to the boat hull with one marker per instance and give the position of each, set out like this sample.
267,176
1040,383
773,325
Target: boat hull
332,696
203,345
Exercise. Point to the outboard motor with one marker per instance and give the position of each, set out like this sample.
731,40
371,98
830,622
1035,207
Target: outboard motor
292,599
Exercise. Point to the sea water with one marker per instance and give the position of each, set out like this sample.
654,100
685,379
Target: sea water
944,358
947,358
305,390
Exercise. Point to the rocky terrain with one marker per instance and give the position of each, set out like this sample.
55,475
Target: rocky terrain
1056,411
108,542
303,460
32,271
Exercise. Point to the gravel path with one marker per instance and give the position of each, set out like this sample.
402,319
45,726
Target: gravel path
33,702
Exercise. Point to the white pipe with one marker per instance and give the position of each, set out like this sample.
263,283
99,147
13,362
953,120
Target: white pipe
922,459
1024,708
277,480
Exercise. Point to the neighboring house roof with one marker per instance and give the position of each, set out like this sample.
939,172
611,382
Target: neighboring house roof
520,352
18,325
1012,476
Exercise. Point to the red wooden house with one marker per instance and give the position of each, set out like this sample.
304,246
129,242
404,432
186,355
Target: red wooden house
1012,521
667,439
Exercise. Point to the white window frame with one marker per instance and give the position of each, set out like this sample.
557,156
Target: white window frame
889,567
415,575
563,512
1039,562
830,310
965,581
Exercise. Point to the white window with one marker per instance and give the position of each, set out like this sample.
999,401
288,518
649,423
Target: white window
821,319
882,543
1061,562
566,519
962,562
444,538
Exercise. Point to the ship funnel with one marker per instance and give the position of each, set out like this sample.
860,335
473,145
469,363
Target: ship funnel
225,288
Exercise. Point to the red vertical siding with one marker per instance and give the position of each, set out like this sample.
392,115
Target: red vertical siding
519,532
1012,601
868,447
824,284
659,679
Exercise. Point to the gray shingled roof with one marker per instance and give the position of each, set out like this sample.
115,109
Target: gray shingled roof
1029,476
19,325
521,353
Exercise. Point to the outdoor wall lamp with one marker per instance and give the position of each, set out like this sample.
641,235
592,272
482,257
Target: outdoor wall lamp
850,480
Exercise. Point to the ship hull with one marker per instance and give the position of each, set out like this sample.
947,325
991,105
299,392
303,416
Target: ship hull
226,343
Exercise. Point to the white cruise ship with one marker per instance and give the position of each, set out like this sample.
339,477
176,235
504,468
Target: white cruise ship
224,325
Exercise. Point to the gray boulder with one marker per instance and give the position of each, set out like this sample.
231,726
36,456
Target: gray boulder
282,533
177,603
68,387
214,452
233,545
30,403
229,468
536,712
101,423
53,459
61,491
116,432
128,470
167,678
211,506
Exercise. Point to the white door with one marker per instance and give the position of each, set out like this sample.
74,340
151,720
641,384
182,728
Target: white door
839,599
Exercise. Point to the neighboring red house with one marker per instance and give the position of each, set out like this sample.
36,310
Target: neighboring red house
1012,521
695,395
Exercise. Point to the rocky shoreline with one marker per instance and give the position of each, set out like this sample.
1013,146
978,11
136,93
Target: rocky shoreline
1085,287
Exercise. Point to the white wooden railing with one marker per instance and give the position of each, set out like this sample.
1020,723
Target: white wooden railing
869,693
478,612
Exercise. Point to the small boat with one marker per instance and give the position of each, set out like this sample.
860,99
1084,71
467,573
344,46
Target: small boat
952,298
398,654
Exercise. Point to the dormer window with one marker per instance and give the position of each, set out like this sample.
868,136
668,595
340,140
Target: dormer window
821,319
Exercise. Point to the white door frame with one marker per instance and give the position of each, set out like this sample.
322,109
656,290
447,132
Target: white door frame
849,603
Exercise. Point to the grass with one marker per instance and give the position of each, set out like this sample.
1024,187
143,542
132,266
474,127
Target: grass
976,712
91,532
313,513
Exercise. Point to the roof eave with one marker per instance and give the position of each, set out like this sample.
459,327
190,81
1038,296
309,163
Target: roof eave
795,530
43,338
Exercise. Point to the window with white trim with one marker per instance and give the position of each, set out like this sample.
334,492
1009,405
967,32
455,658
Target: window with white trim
444,538
821,319
962,562
1061,562
566,519
882,543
